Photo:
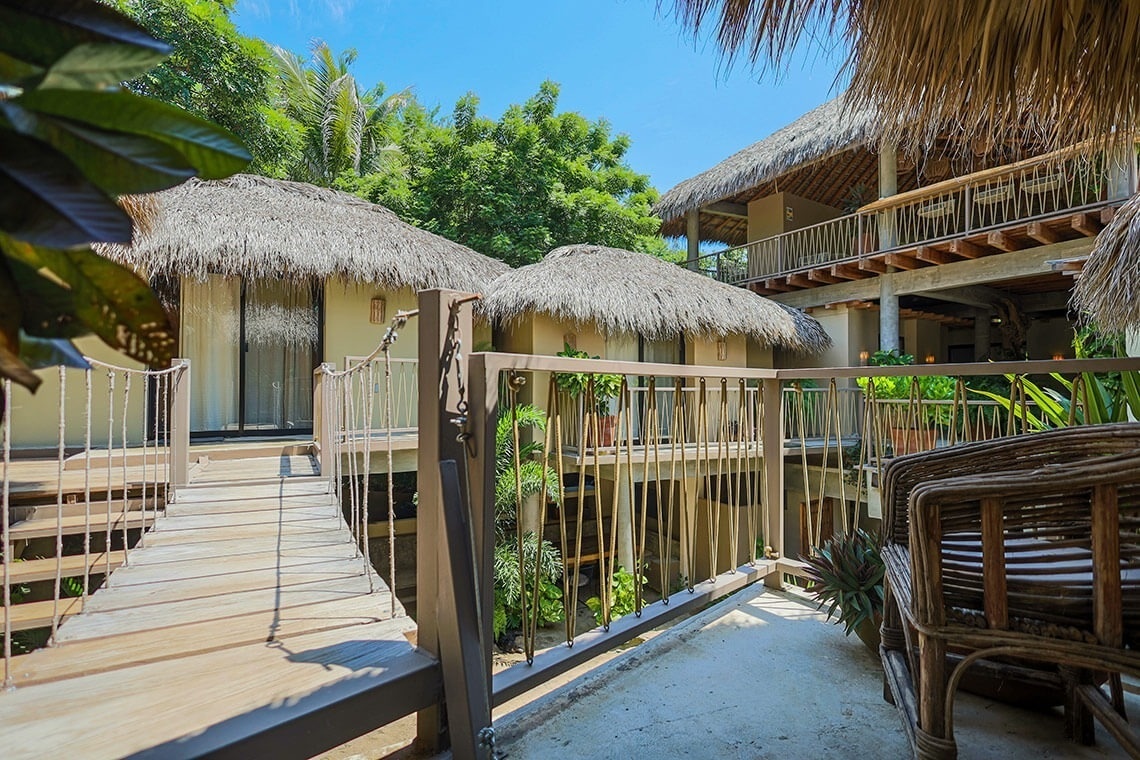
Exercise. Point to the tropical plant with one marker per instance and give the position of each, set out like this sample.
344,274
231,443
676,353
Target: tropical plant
606,386
514,579
71,144
344,130
623,595
930,387
517,187
216,72
846,575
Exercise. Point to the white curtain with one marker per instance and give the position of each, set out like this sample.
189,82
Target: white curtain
211,340
282,332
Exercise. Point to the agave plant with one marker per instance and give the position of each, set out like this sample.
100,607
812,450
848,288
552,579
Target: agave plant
847,575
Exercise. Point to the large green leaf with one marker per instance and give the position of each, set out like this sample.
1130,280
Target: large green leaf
93,65
46,200
114,302
48,307
41,33
11,366
119,164
211,150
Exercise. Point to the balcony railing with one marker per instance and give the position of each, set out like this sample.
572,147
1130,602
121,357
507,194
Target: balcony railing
1037,189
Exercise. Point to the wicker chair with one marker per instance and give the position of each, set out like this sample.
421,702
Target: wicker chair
1005,549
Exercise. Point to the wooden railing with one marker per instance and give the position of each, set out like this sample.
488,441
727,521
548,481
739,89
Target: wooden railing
1063,182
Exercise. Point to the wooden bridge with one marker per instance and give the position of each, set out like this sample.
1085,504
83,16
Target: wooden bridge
246,614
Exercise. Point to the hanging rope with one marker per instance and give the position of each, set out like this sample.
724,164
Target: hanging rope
59,506
6,434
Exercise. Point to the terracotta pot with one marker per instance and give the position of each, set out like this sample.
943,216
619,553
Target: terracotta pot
910,441
606,427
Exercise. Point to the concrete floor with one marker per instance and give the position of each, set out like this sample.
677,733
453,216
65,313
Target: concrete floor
759,675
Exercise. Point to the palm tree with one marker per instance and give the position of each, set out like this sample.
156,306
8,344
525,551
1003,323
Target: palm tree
344,130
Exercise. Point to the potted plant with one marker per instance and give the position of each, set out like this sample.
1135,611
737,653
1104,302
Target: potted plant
846,574
890,392
605,388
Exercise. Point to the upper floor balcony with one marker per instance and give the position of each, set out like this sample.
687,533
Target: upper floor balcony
1064,195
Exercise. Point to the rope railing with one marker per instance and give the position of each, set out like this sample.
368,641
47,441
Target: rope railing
356,413
127,473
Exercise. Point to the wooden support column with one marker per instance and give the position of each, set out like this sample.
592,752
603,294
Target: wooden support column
772,446
440,327
981,335
180,425
1122,170
693,237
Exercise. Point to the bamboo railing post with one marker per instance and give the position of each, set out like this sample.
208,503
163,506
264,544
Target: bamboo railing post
179,444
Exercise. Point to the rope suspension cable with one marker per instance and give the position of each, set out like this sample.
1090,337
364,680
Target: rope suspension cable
126,504
110,443
6,434
62,451
87,488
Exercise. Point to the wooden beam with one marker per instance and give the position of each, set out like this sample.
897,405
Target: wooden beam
1086,225
966,249
1010,266
1042,234
902,261
935,256
724,208
873,265
800,281
778,284
848,272
824,276
1003,242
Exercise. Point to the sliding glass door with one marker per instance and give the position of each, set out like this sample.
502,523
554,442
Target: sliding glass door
253,347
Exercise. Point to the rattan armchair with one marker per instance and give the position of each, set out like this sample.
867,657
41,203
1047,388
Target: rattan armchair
1024,548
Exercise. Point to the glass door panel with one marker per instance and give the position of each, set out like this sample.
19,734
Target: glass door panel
282,330
211,340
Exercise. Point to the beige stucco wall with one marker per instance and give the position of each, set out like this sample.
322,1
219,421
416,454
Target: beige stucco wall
784,212
347,331
35,418
704,352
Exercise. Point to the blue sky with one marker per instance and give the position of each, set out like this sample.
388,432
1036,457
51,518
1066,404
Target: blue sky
616,59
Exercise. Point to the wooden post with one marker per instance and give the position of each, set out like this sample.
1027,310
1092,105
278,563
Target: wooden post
466,685
483,413
321,440
440,332
180,425
772,446
693,237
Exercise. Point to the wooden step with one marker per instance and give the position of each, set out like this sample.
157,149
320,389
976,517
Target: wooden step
31,615
75,525
23,512
73,566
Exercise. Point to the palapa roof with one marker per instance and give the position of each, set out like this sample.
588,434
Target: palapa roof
259,227
625,292
822,133
1066,70
1107,293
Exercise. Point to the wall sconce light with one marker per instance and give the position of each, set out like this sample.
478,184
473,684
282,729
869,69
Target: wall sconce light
376,311
1058,357
864,356
722,350
571,339
930,358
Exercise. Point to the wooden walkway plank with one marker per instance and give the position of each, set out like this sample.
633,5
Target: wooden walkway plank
72,566
30,615
247,612
77,525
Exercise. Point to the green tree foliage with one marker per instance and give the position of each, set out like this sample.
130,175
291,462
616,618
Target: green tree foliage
72,143
517,187
344,130
218,73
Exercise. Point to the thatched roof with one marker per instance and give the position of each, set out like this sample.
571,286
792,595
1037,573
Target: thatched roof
625,292
258,227
830,129
1107,293
1068,70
